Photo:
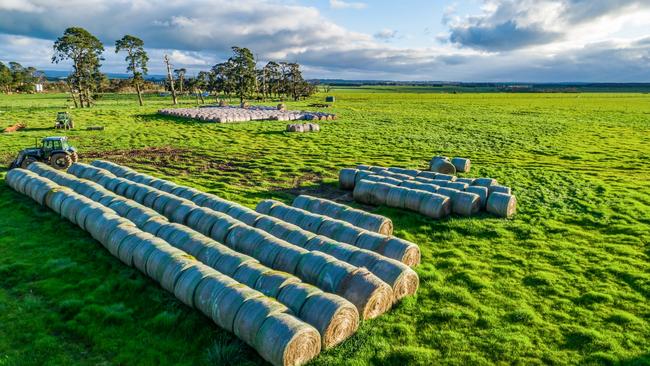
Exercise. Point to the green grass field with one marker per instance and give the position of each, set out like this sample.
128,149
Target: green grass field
567,281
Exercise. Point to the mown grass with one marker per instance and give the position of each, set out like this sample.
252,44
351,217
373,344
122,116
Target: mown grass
567,281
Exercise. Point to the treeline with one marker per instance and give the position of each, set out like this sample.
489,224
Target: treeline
17,78
238,77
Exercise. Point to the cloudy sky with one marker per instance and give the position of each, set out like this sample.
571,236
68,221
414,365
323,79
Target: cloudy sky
472,40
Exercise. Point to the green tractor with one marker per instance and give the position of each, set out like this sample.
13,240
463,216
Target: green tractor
64,121
53,150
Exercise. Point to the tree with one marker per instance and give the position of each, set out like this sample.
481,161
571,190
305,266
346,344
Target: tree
243,64
180,75
5,78
171,79
84,50
136,58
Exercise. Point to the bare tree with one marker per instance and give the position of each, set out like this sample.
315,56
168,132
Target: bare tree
171,79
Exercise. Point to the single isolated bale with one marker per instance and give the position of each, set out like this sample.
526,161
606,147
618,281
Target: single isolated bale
502,204
462,165
441,165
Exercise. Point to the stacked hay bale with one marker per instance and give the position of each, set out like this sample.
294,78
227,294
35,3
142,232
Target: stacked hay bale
340,318
369,294
467,195
261,322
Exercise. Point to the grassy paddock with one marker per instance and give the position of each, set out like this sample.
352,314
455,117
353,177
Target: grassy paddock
567,281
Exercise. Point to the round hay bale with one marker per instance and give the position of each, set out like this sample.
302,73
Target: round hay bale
350,216
243,214
466,203
181,212
499,188
445,177
294,295
151,197
266,223
143,249
221,226
380,193
371,296
251,316
302,202
330,227
160,259
468,181
153,225
462,165
363,174
131,190
371,241
347,178
249,272
347,233
85,211
129,244
457,185
121,206
363,191
484,182
402,279
282,229
402,250
413,199
447,192
288,258
171,207
122,186
141,192
140,214
224,259
435,205
335,318
312,222
310,266
55,198
501,204
207,221
365,258
70,207
244,239
265,206
100,224
284,340
333,275
189,280
193,218
209,289
229,301
482,192
299,237
271,283
432,188
117,235
396,197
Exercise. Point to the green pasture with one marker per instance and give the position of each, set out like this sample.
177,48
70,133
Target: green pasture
566,281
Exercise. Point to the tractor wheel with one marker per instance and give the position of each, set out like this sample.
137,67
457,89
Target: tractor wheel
75,157
26,162
61,161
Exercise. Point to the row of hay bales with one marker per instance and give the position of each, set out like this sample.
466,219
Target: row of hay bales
267,325
367,292
338,318
432,194
238,114
403,280
303,127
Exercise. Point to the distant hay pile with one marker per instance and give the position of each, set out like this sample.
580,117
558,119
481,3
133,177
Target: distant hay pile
245,113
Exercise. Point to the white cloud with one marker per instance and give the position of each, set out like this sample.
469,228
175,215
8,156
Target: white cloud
341,4
386,34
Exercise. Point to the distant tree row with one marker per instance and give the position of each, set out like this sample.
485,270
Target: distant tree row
238,76
17,78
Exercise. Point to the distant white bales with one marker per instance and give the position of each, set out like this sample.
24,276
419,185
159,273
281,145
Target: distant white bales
228,114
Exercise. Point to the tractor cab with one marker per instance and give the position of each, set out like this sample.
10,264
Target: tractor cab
53,150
